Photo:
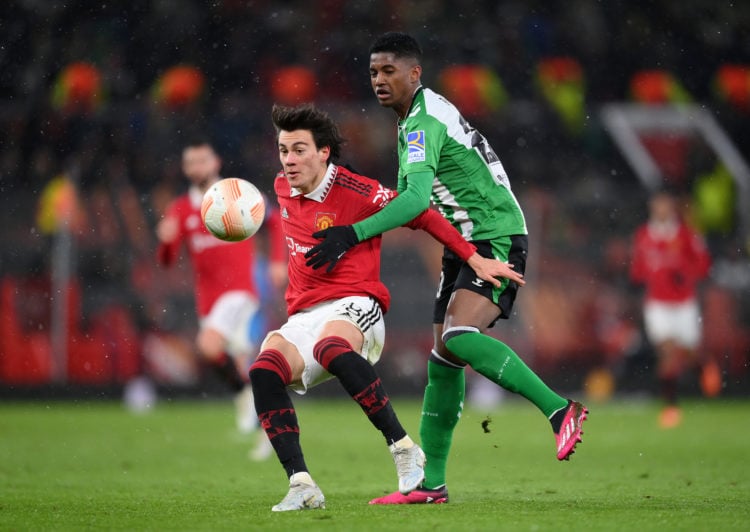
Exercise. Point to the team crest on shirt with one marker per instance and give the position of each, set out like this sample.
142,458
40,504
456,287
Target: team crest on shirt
324,220
415,146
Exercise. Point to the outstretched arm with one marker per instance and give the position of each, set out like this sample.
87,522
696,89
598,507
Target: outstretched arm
170,236
442,231
405,207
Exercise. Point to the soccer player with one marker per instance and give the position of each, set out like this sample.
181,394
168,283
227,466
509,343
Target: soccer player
225,293
335,325
442,157
670,259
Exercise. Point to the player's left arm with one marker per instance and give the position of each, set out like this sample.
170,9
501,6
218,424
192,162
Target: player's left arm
441,230
700,259
170,234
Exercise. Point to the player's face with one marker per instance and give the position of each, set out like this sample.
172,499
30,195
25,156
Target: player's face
304,164
662,209
394,80
201,165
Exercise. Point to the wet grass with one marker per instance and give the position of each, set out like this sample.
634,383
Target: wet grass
75,466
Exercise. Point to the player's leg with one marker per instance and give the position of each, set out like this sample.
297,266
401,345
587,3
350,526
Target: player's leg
689,336
474,306
347,345
662,330
442,404
211,345
278,366
224,342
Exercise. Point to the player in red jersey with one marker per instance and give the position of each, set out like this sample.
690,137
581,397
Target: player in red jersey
670,259
225,292
335,326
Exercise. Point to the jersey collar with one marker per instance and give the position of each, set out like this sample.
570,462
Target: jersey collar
411,105
321,191
196,196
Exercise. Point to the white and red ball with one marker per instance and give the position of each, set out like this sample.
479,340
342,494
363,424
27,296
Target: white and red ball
233,209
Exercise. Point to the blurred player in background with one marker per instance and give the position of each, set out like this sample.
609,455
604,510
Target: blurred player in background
225,291
670,260
335,325
442,157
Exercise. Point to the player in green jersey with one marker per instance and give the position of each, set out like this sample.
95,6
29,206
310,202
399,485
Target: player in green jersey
442,158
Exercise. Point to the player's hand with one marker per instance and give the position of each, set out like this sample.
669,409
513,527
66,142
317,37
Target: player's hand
491,269
167,229
337,240
277,273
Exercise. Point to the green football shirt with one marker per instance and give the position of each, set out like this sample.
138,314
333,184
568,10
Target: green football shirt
441,157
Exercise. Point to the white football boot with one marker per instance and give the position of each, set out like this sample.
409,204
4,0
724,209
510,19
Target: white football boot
409,466
302,495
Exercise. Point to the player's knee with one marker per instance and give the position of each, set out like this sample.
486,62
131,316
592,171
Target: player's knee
329,348
452,333
210,343
269,364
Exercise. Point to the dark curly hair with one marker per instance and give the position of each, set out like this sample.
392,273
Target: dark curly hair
398,44
324,130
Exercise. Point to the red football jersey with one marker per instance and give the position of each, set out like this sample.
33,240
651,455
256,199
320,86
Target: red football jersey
669,262
218,266
343,198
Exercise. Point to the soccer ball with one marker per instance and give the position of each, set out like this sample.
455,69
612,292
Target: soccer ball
233,209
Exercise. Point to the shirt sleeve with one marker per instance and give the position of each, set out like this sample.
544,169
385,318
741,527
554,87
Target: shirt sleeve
699,258
405,207
167,252
442,231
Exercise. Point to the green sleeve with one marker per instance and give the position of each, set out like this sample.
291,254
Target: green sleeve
401,185
402,209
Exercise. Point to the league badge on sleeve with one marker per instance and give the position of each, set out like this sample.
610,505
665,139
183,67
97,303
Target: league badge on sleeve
415,143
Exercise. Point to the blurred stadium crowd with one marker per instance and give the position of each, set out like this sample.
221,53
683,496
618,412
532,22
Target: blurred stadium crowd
105,95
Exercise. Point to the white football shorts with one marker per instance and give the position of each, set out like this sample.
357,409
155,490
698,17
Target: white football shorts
231,316
303,330
680,322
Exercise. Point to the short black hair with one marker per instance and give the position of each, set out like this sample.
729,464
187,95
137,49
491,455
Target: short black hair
199,142
398,44
324,130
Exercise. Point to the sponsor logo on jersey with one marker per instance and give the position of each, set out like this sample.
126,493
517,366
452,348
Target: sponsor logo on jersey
295,247
415,146
324,220
478,282
382,196
284,214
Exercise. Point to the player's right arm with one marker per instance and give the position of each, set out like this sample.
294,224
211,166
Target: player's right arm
169,234
441,230
413,198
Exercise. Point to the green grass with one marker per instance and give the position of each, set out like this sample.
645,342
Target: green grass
67,466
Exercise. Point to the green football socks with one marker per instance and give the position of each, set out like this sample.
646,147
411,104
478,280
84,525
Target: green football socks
443,402
499,363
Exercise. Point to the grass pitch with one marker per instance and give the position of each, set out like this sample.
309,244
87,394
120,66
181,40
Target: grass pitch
77,466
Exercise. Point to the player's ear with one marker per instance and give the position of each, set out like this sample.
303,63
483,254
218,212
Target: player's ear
325,151
415,74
